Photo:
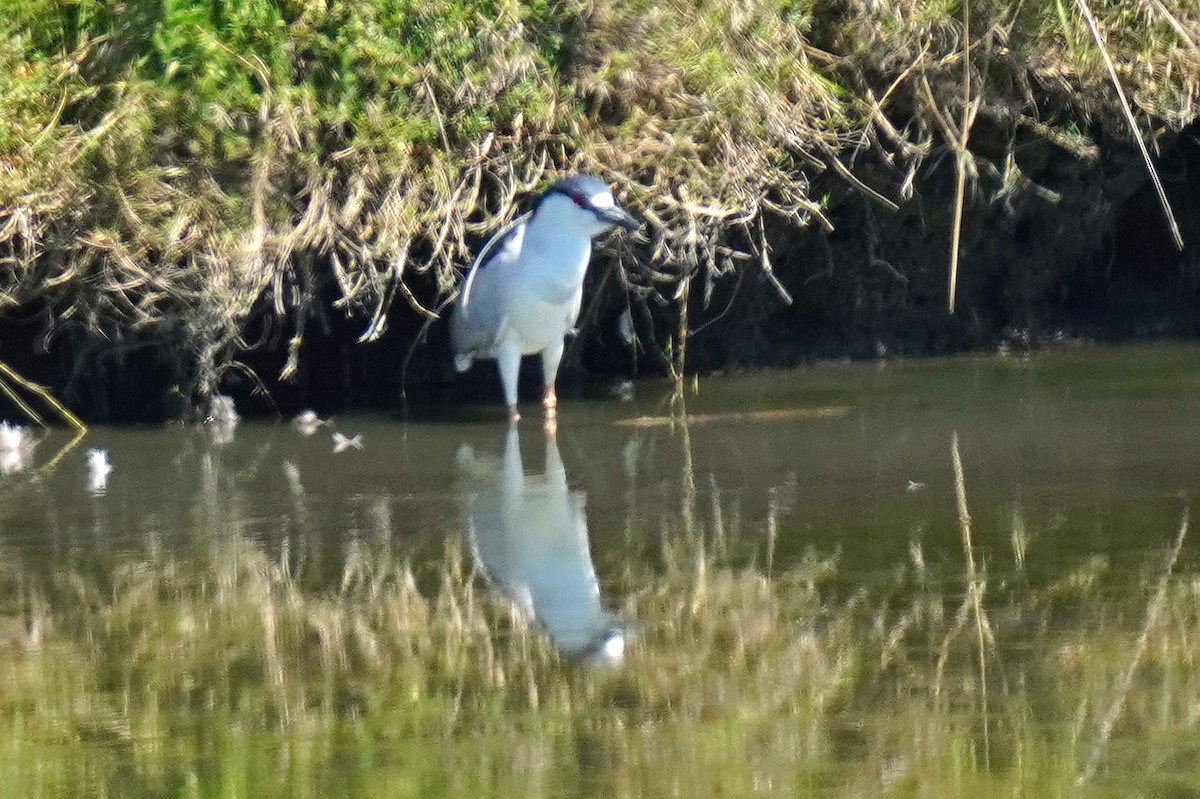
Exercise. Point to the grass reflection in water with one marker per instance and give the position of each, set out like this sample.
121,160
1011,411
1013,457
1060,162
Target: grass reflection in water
229,678
799,622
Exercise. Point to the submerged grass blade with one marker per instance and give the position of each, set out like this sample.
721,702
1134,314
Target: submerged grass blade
734,677
1125,683
975,586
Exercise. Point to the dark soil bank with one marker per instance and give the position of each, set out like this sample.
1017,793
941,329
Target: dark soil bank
1078,250
1074,249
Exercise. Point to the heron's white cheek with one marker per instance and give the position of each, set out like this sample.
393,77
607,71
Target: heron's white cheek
602,201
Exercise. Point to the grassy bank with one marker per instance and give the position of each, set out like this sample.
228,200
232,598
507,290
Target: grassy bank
212,177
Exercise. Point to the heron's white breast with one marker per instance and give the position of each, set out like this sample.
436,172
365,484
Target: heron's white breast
554,260
548,284
536,323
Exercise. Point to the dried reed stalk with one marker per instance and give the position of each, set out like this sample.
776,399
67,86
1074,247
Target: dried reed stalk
960,162
7,373
1133,126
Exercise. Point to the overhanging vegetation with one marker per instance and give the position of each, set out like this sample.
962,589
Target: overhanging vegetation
168,168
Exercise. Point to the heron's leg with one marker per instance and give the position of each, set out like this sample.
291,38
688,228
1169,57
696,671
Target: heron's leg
508,358
550,358
512,475
556,473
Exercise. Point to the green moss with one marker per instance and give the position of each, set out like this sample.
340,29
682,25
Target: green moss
170,145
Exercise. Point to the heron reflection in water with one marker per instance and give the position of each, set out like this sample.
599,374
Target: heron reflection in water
529,535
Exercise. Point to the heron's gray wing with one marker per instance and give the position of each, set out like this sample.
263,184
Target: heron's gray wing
480,312
493,248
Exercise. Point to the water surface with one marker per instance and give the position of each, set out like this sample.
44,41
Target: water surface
762,585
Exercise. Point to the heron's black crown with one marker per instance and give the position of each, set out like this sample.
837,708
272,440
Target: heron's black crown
580,189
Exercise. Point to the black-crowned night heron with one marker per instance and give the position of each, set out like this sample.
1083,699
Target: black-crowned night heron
529,535
524,291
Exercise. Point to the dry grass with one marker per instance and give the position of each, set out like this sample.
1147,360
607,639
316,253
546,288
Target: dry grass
171,170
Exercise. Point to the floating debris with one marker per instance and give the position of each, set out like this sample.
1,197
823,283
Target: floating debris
778,415
341,442
15,437
622,390
222,418
99,468
307,422
914,485
221,410
16,447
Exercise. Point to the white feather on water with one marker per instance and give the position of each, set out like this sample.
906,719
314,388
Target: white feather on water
99,468
16,447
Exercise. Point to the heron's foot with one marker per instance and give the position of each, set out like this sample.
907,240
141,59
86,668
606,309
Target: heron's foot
550,401
514,415
550,425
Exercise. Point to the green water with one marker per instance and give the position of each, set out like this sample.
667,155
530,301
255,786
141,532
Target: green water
761,588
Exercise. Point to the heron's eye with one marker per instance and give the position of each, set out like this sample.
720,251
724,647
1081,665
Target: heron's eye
580,201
